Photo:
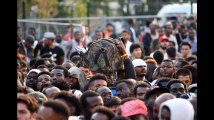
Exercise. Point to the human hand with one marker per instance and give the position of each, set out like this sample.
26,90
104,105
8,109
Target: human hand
121,47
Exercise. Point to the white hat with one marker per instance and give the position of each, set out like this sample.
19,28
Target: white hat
138,62
34,70
49,35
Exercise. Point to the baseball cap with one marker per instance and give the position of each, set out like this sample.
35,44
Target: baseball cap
133,107
138,62
49,35
163,38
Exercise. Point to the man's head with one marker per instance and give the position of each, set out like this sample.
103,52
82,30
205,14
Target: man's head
169,110
105,93
76,79
163,42
140,90
59,73
180,63
185,49
175,24
62,85
39,96
193,70
191,34
135,109
102,113
184,75
29,41
43,68
162,82
168,29
171,44
161,31
75,53
32,62
48,38
153,93
77,36
171,53
32,31
53,110
136,51
31,78
126,35
183,29
109,27
43,78
151,66
167,68
90,100
71,100
19,33
176,87
58,38
124,88
113,104
42,61
68,64
159,100
153,27
87,72
190,59
158,56
24,68
26,107
97,81
98,35
51,91
140,67
165,113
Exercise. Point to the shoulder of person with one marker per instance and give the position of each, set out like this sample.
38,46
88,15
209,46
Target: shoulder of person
57,47
151,55
64,42
129,43
153,82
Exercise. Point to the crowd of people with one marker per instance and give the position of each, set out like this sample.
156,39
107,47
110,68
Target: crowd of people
158,80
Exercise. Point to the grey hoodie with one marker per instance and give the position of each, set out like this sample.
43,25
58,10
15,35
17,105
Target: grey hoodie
180,109
80,76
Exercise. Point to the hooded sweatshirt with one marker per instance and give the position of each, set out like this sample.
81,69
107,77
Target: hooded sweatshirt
80,76
32,70
180,109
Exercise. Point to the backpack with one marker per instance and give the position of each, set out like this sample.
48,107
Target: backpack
103,56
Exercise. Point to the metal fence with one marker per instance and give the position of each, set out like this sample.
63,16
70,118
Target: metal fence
60,25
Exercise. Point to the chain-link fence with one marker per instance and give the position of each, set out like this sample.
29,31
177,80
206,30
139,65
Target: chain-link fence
61,25
43,26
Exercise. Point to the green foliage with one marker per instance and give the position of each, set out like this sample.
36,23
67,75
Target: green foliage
82,8
47,8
